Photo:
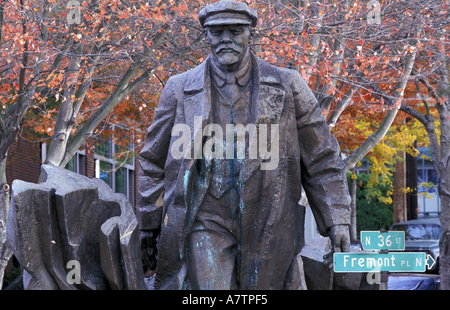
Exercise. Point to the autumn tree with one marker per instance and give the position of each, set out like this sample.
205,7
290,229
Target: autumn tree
67,65
342,49
65,69
431,107
364,61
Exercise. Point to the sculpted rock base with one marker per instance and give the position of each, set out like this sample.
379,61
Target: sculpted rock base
68,218
318,275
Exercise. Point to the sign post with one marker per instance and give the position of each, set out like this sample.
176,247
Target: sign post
391,262
379,240
383,261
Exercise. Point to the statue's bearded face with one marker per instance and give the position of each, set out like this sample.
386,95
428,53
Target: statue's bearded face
229,44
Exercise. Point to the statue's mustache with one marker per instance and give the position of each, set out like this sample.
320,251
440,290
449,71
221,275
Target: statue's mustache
231,47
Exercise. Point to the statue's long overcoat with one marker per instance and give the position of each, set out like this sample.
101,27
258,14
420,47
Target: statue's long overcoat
172,190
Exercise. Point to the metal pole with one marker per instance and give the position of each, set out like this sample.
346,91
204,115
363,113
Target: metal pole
384,278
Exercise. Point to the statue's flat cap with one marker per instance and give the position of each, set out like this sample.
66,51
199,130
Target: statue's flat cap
228,12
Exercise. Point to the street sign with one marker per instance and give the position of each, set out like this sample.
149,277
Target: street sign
391,262
389,240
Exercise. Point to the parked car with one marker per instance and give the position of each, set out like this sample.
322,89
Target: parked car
403,282
422,235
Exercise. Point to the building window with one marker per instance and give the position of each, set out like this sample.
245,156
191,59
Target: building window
429,204
427,180
76,164
104,171
363,167
427,177
114,159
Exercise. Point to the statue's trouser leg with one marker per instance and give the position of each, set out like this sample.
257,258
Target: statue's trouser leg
213,246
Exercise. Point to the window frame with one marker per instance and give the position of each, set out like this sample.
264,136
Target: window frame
117,164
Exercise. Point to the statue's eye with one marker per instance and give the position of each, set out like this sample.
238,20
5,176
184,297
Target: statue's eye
216,32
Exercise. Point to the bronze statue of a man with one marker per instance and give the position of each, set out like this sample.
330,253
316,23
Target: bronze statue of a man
231,145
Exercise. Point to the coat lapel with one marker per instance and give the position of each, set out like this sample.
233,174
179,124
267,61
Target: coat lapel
197,96
269,101
271,95
197,112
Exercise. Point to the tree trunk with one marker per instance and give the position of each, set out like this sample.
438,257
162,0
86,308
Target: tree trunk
411,183
443,107
444,263
5,250
441,161
353,228
399,186
444,194
395,102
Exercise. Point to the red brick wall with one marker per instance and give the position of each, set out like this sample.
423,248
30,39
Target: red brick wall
24,161
90,161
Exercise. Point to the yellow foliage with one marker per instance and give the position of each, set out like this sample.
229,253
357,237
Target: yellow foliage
384,155
386,200
353,176
423,156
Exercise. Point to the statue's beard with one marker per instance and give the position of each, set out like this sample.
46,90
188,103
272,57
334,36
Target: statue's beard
227,58
229,54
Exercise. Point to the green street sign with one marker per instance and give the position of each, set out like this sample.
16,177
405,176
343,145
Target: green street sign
376,240
376,262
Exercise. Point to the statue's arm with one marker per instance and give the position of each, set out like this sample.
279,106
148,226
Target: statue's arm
323,177
152,160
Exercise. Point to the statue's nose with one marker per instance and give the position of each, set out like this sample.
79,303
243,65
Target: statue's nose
226,36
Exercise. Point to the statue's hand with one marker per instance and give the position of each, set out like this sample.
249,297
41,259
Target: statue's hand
340,238
340,242
148,247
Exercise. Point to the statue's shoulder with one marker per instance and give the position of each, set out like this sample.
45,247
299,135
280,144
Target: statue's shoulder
182,78
284,75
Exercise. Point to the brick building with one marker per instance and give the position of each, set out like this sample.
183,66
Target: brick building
96,159
24,161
